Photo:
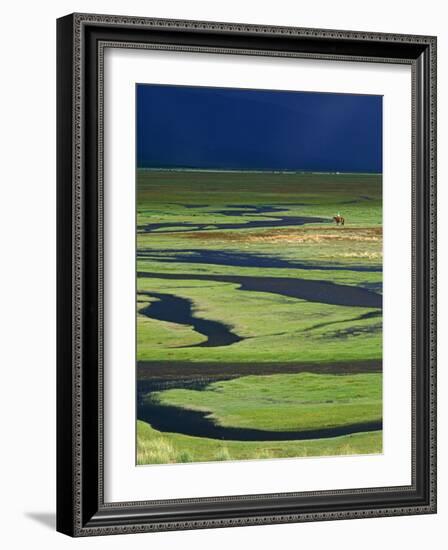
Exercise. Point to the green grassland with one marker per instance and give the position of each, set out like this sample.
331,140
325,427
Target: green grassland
274,328
278,328
158,190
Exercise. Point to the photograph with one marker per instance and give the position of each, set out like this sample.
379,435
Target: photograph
246,273
259,264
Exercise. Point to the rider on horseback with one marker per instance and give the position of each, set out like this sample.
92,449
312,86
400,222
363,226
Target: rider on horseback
339,219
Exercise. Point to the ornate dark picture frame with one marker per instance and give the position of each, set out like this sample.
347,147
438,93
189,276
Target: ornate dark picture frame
81,509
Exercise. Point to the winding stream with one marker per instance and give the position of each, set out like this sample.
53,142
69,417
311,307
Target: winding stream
180,310
324,292
240,210
175,309
241,259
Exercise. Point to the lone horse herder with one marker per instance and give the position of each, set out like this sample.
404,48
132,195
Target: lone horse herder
339,219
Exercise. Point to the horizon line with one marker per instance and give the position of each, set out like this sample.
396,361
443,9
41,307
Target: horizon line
254,171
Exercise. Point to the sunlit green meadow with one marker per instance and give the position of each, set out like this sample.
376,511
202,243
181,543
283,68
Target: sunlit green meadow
275,328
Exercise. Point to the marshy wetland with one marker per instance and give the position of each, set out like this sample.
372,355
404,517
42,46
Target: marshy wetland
259,320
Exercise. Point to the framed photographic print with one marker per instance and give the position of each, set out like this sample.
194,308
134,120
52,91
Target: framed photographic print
246,274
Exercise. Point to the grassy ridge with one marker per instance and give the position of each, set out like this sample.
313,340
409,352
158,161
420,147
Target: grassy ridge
284,402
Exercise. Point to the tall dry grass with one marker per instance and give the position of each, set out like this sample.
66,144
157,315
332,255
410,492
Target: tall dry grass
157,451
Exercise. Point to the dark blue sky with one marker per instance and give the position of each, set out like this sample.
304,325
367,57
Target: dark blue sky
229,128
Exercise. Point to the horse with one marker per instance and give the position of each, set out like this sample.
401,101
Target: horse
339,219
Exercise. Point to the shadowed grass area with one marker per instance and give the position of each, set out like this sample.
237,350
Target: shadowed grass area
284,402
